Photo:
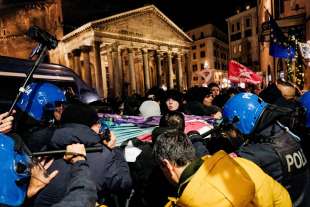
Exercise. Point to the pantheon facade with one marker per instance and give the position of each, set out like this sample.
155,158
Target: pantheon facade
128,53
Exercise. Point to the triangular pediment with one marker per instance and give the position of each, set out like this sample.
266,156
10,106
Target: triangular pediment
144,23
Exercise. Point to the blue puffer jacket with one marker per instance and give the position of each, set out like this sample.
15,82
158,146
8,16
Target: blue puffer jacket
108,168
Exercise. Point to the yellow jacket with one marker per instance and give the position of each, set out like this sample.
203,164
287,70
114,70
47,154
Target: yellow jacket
223,181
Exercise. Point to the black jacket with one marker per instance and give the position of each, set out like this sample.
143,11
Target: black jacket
81,191
109,170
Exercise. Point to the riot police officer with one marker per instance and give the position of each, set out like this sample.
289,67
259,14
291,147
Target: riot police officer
35,113
268,143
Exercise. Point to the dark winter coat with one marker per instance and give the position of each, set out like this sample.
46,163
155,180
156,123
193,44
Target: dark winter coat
109,170
81,191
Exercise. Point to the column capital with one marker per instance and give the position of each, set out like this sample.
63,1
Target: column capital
144,50
76,52
130,50
179,55
70,55
85,48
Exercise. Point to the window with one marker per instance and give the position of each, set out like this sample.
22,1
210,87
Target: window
238,26
232,28
248,33
194,56
202,45
202,66
202,54
248,45
193,47
195,78
235,49
236,36
202,35
194,68
193,37
247,22
240,48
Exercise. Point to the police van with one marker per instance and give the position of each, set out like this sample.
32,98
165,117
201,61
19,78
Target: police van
13,72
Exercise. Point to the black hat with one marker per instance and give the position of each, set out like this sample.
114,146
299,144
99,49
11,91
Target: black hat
80,114
175,95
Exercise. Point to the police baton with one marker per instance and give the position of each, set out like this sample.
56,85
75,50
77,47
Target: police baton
46,42
62,152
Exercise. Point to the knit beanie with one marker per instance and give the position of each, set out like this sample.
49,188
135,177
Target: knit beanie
79,114
149,108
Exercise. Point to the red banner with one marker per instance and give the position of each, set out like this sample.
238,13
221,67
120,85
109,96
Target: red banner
239,73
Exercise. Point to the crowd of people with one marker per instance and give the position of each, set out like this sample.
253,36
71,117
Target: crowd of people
256,154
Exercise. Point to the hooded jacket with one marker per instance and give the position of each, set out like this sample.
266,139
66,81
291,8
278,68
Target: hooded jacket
223,181
109,170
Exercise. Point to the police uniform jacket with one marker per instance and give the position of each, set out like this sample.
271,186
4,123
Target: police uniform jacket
109,169
277,151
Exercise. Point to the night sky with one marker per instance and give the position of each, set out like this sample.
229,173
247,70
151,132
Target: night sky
187,14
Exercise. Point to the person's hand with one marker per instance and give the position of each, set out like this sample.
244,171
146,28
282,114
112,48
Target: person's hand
6,122
112,141
74,153
217,115
39,177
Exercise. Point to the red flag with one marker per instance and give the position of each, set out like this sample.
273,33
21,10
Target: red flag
239,73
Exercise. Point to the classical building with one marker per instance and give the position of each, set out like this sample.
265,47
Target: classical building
243,37
15,20
209,50
293,18
128,53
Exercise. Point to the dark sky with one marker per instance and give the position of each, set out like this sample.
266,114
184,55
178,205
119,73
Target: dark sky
187,14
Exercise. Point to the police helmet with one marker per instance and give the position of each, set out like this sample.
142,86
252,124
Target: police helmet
305,102
243,111
89,97
39,98
14,173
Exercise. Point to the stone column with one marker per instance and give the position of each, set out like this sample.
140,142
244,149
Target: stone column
116,75
188,70
170,71
86,71
146,69
158,68
120,71
77,62
70,61
110,68
179,73
132,75
100,78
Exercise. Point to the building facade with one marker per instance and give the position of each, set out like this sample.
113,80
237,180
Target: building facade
293,18
15,20
128,53
243,38
209,50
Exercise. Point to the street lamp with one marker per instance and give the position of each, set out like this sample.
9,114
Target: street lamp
206,65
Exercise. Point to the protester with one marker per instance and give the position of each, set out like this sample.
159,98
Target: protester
81,190
268,143
149,108
199,103
174,101
217,180
215,89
